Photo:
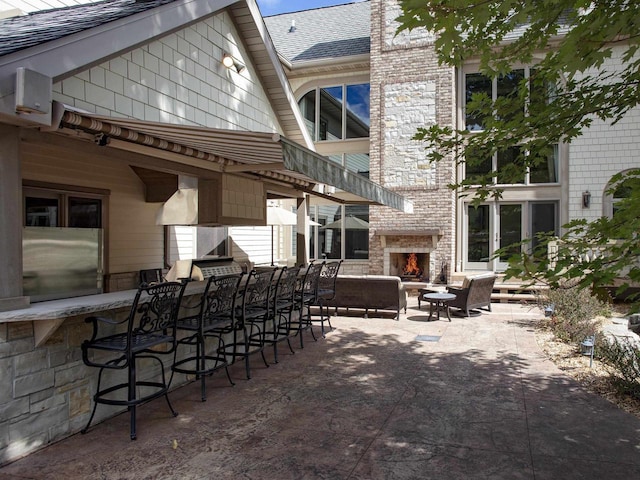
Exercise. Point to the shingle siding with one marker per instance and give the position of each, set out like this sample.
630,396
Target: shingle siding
601,152
176,79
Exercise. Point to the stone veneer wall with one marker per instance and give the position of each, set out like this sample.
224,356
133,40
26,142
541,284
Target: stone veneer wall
47,390
409,90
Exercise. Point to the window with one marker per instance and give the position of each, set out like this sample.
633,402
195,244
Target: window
542,169
329,233
502,225
329,117
545,169
307,106
60,206
507,89
475,84
623,190
343,232
331,113
340,113
42,210
507,164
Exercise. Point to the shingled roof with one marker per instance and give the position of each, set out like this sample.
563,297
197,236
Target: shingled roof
35,28
322,33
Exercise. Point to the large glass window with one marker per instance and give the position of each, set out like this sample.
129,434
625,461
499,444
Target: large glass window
329,117
335,113
357,112
540,170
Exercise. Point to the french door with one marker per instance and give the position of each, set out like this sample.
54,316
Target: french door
494,226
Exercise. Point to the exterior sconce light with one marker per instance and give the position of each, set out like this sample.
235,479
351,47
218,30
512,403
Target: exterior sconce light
586,199
587,348
231,63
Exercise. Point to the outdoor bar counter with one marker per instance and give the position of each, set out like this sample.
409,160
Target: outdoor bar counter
49,315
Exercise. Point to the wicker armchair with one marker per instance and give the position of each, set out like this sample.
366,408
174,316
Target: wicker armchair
474,293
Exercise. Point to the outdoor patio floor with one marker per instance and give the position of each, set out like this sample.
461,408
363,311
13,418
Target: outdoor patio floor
475,398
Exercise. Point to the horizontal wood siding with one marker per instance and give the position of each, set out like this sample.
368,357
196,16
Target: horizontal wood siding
251,243
182,243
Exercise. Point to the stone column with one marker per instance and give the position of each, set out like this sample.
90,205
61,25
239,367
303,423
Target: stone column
10,220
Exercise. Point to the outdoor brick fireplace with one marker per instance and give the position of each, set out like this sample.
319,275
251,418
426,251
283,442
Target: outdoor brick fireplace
410,254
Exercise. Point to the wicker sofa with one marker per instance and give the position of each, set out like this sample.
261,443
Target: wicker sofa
474,293
369,292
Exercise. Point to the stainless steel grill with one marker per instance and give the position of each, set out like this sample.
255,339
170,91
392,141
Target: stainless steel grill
217,266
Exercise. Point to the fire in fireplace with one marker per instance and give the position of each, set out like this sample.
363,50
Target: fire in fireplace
411,268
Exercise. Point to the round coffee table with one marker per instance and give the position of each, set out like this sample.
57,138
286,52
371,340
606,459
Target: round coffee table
440,301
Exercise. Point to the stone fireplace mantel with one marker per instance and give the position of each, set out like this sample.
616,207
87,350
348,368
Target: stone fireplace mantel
434,233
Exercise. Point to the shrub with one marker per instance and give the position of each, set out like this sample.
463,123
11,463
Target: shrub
622,356
575,311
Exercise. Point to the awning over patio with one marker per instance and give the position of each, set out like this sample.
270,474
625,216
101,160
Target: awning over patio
263,155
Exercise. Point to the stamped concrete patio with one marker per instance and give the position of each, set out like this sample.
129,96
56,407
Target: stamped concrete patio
376,399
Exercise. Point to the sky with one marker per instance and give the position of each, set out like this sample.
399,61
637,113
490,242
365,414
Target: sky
274,7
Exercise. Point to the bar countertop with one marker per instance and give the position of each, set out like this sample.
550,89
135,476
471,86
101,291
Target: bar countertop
70,307
48,316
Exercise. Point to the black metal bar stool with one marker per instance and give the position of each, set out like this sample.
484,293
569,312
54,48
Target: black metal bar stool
306,296
283,307
216,318
252,316
326,292
149,332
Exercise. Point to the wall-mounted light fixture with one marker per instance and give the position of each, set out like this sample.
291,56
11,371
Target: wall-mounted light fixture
231,63
586,199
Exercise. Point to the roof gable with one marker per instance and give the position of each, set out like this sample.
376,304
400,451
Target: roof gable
72,39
